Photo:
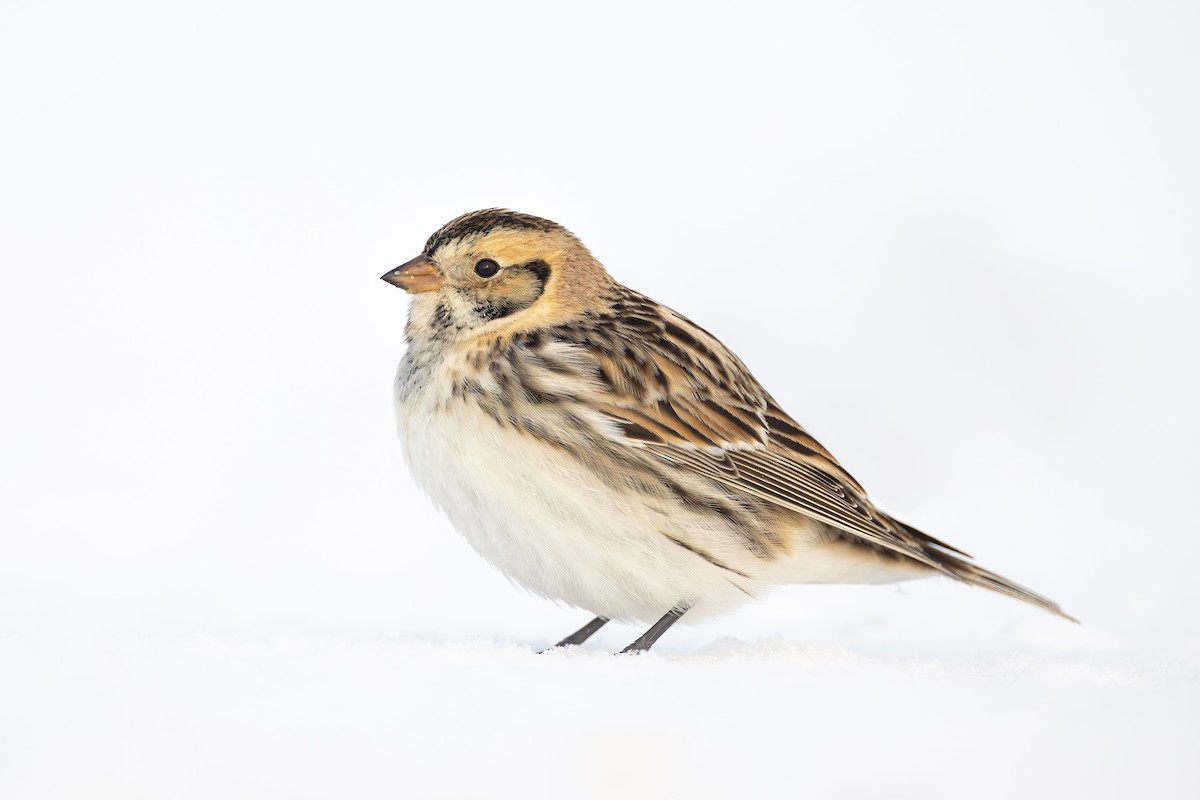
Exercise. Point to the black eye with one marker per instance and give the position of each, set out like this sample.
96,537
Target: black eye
486,268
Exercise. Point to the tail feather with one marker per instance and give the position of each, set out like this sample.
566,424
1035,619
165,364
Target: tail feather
978,576
965,571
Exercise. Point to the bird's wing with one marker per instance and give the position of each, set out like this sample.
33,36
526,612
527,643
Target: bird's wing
673,390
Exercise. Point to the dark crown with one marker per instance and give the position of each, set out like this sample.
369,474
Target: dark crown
480,223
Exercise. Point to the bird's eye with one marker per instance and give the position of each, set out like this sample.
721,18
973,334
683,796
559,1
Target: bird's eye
486,268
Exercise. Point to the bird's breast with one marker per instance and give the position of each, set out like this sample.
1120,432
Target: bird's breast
544,517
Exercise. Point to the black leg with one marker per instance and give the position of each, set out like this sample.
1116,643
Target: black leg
583,634
647,639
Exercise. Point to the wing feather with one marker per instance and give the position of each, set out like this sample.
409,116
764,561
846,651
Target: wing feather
679,394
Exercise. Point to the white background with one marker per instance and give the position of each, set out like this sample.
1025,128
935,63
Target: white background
956,240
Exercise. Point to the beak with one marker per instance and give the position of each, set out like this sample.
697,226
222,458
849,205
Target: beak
418,275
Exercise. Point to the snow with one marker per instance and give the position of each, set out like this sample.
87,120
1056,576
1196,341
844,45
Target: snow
955,241
310,716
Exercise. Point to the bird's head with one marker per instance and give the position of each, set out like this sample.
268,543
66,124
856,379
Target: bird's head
496,271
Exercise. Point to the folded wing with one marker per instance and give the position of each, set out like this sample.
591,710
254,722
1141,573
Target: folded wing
676,392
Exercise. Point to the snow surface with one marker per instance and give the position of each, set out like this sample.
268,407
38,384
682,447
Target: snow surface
956,241
307,716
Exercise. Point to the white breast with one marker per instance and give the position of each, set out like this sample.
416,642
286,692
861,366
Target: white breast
544,519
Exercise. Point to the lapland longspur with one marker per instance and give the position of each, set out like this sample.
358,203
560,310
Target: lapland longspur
603,450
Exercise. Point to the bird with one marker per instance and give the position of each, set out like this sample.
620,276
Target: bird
604,451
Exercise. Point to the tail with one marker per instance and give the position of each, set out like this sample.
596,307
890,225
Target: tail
978,576
967,572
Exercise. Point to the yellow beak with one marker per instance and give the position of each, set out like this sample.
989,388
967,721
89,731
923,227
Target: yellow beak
416,276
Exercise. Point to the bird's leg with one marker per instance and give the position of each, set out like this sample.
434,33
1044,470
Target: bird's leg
583,634
647,639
